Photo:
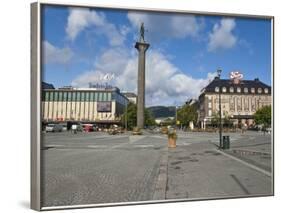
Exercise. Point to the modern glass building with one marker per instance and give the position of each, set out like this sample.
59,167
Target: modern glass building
95,105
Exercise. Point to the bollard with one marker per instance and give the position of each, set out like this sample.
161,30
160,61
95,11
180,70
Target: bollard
226,142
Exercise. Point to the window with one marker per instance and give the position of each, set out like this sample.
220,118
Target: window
74,96
96,96
99,96
217,89
252,90
210,112
246,90
224,89
46,96
51,96
87,96
238,89
104,98
78,96
64,96
113,96
60,96
109,96
259,90
55,96
210,105
231,89
92,96
82,96
69,96
265,90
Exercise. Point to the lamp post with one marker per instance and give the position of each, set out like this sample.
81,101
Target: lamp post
126,117
176,116
220,123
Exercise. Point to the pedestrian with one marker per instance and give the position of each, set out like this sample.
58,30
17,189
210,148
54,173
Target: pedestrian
74,128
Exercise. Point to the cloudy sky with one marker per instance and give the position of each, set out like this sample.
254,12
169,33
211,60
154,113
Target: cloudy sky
85,45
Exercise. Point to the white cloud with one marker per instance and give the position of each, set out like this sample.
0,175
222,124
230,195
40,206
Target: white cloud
165,83
55,55
161,25
81,18
222,35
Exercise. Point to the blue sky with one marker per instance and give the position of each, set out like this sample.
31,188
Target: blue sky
82,45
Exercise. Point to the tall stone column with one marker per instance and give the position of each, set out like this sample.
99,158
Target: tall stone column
141,46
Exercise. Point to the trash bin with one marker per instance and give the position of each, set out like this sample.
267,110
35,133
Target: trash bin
225,142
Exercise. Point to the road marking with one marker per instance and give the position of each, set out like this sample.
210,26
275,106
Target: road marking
158,136
119,145
97,146
245,163
53,145
144,146
184,144
135,138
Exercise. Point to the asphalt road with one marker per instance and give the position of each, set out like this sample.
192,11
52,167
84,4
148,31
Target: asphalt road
93,168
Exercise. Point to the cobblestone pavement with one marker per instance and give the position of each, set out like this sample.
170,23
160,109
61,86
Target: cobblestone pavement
92,168
201,171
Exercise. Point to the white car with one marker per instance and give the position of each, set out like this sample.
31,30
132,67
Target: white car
54,128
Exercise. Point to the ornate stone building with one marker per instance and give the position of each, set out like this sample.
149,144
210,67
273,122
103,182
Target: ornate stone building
240,99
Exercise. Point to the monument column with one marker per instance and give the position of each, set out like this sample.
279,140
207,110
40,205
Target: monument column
141,46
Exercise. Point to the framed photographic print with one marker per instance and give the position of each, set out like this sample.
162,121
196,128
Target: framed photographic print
137,106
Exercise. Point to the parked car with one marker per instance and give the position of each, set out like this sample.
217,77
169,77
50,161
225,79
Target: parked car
54,128
95,128
64,127
112,131
88,127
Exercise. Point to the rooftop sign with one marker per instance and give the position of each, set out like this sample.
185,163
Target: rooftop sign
236,76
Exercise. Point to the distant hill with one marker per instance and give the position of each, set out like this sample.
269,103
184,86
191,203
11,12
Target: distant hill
162,111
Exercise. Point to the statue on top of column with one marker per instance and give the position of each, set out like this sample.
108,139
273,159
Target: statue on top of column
142,33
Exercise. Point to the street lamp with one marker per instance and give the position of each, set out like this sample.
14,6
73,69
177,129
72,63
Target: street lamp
126,117
176,115
220,123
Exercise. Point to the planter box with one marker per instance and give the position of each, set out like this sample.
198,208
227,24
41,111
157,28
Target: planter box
172,143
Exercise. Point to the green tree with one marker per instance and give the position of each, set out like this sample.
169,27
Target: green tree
227,122
131,115
187,113
149,120
215,121
263,116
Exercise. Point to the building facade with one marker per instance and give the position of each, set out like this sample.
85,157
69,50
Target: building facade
94,105
240,99
132,97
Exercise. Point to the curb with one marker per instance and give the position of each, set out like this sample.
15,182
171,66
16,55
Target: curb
249,152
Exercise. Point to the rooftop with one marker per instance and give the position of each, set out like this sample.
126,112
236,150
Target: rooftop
229,84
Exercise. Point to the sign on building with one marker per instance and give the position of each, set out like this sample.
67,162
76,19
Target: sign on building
236,76
104,106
